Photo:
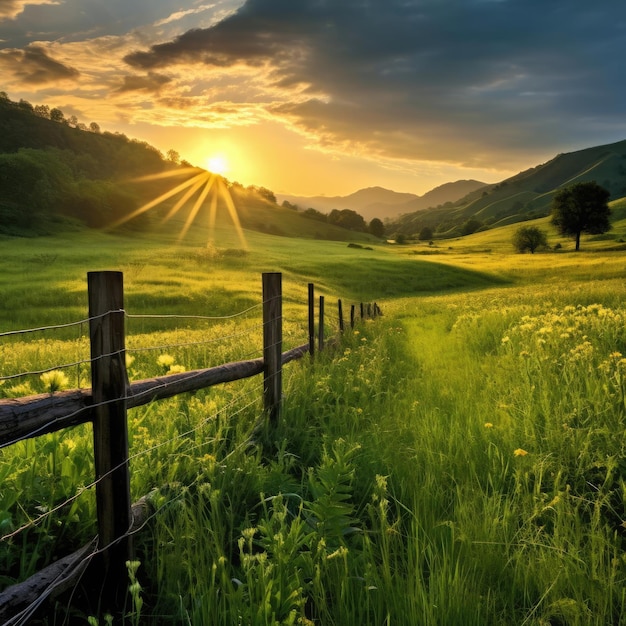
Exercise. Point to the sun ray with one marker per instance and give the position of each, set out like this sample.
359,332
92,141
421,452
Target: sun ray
202,181
183,200
158,200
233,213
212,216
196,207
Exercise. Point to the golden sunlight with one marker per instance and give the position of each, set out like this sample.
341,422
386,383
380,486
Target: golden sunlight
200,182
217,164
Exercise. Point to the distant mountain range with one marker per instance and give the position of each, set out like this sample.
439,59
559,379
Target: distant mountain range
383,203
448,208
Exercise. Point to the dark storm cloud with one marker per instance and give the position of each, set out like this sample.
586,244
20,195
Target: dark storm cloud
33,66
428,78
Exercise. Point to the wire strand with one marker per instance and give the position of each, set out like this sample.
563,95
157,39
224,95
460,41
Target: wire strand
58,326
195,317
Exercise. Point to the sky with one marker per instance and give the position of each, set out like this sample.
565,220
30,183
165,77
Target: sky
325,97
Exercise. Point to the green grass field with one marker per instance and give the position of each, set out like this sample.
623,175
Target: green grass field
458,461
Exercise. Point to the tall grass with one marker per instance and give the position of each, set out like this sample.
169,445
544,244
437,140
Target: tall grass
459,461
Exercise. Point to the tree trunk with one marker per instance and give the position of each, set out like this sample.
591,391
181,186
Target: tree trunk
577,241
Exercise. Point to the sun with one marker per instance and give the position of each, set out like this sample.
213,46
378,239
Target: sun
217,164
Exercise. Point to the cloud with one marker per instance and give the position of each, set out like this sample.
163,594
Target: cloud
10,9
178,15
152,82
32,65
453,80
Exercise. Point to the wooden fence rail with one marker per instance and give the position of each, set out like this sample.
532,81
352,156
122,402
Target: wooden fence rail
105,405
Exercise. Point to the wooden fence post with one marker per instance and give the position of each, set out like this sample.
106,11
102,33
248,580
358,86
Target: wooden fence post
321,324
340,313
311,320
362,311
272,344
352,314
110,428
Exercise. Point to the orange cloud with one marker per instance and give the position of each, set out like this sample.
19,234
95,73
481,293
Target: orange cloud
10,9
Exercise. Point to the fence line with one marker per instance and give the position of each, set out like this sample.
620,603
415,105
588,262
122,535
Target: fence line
181,436
111,395
132,350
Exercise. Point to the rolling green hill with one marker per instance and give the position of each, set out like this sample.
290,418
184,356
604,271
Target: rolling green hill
526,195
57,174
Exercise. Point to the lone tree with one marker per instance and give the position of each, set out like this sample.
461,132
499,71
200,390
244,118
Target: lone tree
529,238
377,228
581,208
426,234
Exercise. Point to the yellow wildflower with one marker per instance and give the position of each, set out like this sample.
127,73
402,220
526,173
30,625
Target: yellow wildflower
520,452
165,360
54,381
488,425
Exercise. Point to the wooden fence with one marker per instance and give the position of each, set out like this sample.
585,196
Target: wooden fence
105,405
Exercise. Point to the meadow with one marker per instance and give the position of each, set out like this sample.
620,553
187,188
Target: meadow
458,461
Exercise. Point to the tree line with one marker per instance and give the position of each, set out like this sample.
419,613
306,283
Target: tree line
344,218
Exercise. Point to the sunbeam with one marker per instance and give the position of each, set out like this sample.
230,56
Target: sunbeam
202,183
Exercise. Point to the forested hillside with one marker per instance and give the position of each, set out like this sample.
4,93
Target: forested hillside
55,171
58,173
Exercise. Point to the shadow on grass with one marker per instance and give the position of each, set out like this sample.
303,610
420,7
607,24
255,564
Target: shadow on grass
370,279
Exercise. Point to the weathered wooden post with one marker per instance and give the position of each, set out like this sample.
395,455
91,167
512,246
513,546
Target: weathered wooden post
110,428
340,313
352,315
272,344
369,310
311,320
362,311
321,325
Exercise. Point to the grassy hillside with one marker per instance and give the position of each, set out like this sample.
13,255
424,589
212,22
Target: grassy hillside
526,195
46,283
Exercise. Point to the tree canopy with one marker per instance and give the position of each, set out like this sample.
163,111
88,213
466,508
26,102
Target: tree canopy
529,238
581,208
426,234
377,228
